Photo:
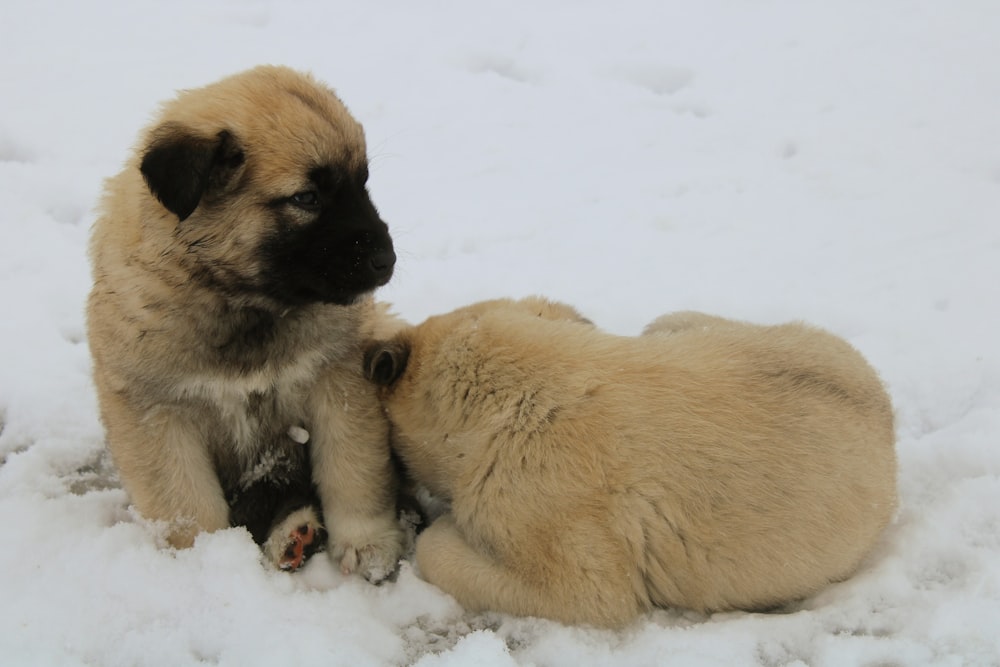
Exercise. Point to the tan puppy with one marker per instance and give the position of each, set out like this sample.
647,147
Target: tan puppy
234,260
708,464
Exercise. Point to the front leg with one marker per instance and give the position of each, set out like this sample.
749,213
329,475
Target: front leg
478,581
353,472
527,579
166,468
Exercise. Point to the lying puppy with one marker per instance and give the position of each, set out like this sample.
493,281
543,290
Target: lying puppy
708,464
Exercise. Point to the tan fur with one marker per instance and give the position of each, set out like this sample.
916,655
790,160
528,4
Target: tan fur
171,411
709,464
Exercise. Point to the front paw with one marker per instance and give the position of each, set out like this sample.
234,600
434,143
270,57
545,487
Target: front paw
371,547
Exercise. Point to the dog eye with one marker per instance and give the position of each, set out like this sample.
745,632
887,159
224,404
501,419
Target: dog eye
307,199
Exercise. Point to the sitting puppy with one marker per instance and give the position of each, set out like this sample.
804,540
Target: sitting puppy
235,259
708,464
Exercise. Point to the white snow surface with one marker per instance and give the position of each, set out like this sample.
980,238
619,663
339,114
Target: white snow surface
836,162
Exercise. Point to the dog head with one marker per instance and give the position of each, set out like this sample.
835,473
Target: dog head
387,361
418,408
261,179
451,382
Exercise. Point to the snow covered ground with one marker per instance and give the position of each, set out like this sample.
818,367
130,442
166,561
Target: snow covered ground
837,162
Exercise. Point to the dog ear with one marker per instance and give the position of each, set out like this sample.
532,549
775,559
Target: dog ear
385,362
180,166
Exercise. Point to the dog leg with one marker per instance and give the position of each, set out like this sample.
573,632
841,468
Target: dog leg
355,477
167,470
294,539
476,581
560,592
278,503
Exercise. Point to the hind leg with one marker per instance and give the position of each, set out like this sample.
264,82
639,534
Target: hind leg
281,509
286,523
294,539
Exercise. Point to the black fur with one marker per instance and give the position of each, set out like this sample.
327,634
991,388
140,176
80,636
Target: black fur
283,486
264,490
384,364
180,167
345,252
249,343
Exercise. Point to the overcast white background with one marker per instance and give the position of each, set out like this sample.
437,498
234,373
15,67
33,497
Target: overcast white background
836,162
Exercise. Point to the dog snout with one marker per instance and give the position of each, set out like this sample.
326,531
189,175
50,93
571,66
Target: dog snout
382,263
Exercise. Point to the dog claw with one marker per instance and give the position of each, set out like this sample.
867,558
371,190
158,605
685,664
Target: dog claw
374,565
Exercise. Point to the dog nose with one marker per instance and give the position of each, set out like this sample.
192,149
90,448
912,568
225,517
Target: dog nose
382,263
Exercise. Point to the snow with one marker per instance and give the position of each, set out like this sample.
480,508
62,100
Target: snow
834,162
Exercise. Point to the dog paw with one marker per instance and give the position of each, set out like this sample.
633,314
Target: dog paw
295,539
302,543
371,548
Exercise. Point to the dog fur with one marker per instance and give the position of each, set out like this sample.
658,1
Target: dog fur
707,464
234,260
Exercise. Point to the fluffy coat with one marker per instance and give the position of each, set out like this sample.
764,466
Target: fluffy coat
707,464
234,261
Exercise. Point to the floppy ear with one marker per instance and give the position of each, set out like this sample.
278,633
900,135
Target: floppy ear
385,362
180,166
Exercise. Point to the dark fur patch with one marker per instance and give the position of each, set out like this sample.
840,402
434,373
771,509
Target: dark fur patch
346,250
278,483
180,166
385,363
249,343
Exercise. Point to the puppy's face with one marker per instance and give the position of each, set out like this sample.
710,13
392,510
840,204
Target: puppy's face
422,391
263,177
438,376
452,383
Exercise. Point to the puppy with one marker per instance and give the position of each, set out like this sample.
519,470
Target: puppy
234,261
708,464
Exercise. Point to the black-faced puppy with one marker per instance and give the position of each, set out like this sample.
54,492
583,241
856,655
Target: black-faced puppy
708,464
234,262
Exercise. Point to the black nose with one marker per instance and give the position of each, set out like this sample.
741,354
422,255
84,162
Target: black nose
382,263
